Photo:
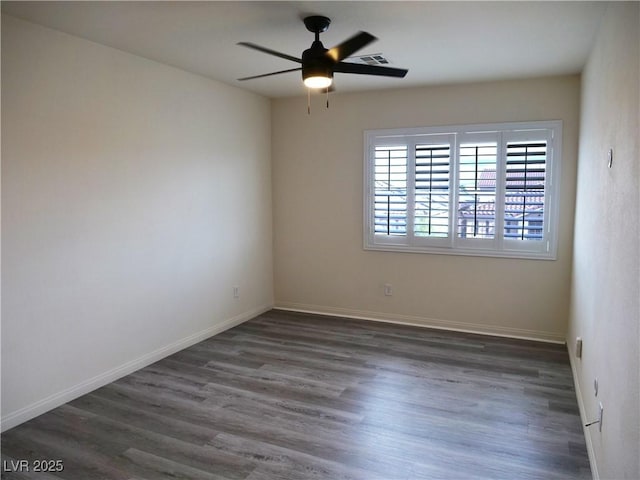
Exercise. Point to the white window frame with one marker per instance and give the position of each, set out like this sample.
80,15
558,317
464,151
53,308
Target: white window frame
545,249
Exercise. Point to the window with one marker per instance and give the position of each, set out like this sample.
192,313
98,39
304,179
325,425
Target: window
487,190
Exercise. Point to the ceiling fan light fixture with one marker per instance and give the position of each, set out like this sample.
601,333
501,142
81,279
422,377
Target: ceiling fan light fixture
318,81
318,64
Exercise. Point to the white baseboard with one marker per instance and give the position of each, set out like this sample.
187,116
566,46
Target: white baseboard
38,408
539,336
583,417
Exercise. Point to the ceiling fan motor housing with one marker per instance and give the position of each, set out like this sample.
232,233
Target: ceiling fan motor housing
316,62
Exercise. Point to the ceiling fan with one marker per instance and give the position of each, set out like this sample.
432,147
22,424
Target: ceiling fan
318,64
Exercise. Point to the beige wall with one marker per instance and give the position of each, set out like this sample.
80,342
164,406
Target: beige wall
605,309
317,170
134,197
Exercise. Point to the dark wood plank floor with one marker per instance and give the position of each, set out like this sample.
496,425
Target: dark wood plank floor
297,397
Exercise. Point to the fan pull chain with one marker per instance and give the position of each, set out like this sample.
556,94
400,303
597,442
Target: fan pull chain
309,100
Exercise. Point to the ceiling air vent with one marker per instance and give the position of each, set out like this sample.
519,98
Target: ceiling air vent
372,59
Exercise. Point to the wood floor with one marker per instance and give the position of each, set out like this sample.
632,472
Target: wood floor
294,396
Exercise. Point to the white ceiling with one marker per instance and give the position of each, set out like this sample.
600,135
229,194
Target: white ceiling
439,42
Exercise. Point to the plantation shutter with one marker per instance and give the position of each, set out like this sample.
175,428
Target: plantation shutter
432,190
488,190
390,190
524,197
476,208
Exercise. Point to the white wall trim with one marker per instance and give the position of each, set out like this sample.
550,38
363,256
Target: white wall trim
539,336
583,417
38,408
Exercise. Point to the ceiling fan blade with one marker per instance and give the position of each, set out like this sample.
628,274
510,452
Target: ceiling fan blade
272,73
350,46
269,51
345,67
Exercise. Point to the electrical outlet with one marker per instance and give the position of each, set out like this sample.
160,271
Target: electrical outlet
388,289
236,292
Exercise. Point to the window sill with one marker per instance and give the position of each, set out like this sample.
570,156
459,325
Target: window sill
463,252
